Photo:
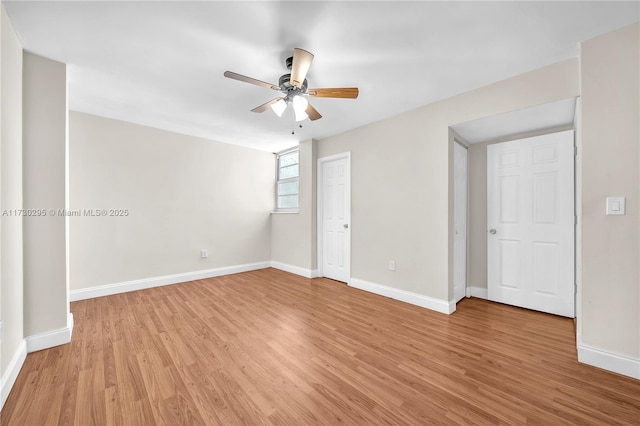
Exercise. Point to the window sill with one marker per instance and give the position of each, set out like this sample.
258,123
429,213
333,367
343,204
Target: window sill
290,212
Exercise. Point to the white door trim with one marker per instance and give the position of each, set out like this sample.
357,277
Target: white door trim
466,228
321,161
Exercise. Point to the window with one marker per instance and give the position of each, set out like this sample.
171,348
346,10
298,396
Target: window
287,186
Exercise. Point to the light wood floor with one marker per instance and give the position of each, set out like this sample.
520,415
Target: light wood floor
268,347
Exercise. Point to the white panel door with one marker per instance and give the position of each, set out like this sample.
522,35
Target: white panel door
530,215
336,218
460,222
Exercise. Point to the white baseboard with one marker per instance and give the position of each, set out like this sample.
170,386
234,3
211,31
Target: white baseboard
437,305
49,339
479,292
123,287
608,361
11,373
307,273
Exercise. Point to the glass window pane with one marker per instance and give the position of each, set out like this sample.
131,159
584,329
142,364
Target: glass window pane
289,172
288,201
288,159
288,188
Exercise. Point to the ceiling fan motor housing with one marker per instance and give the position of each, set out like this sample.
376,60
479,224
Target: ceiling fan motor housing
287,87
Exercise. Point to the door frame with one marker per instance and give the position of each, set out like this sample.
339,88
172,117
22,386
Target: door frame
319,201
456,141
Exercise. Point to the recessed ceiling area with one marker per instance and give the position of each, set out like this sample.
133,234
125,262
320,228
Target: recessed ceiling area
541,117
161,64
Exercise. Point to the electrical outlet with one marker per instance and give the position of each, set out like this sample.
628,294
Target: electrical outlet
392,265
204,253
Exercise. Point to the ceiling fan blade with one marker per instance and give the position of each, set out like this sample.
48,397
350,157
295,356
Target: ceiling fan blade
312,113
250,80
300,66
265,106
342,92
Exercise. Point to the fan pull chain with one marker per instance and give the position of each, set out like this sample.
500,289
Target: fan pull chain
293,125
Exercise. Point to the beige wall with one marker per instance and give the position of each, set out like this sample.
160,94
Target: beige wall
609,156
183,194
45,132
294,235
11,282
401,179
477,216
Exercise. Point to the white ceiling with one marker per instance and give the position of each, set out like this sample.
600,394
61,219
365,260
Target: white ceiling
161,64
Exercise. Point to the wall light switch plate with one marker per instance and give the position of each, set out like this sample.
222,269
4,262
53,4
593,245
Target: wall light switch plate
615,206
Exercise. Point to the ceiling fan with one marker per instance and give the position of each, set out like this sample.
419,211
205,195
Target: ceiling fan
294,88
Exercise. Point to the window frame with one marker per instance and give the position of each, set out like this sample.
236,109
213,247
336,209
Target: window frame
287,180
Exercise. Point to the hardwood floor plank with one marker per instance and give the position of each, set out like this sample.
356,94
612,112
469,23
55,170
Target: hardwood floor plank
151,373
113,407
270,348
85,411
210,402
71,375
182,406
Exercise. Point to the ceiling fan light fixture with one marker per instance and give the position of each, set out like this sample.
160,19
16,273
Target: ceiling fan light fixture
300,105
279,107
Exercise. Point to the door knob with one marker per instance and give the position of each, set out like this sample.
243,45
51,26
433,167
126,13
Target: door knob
345,226
492,231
